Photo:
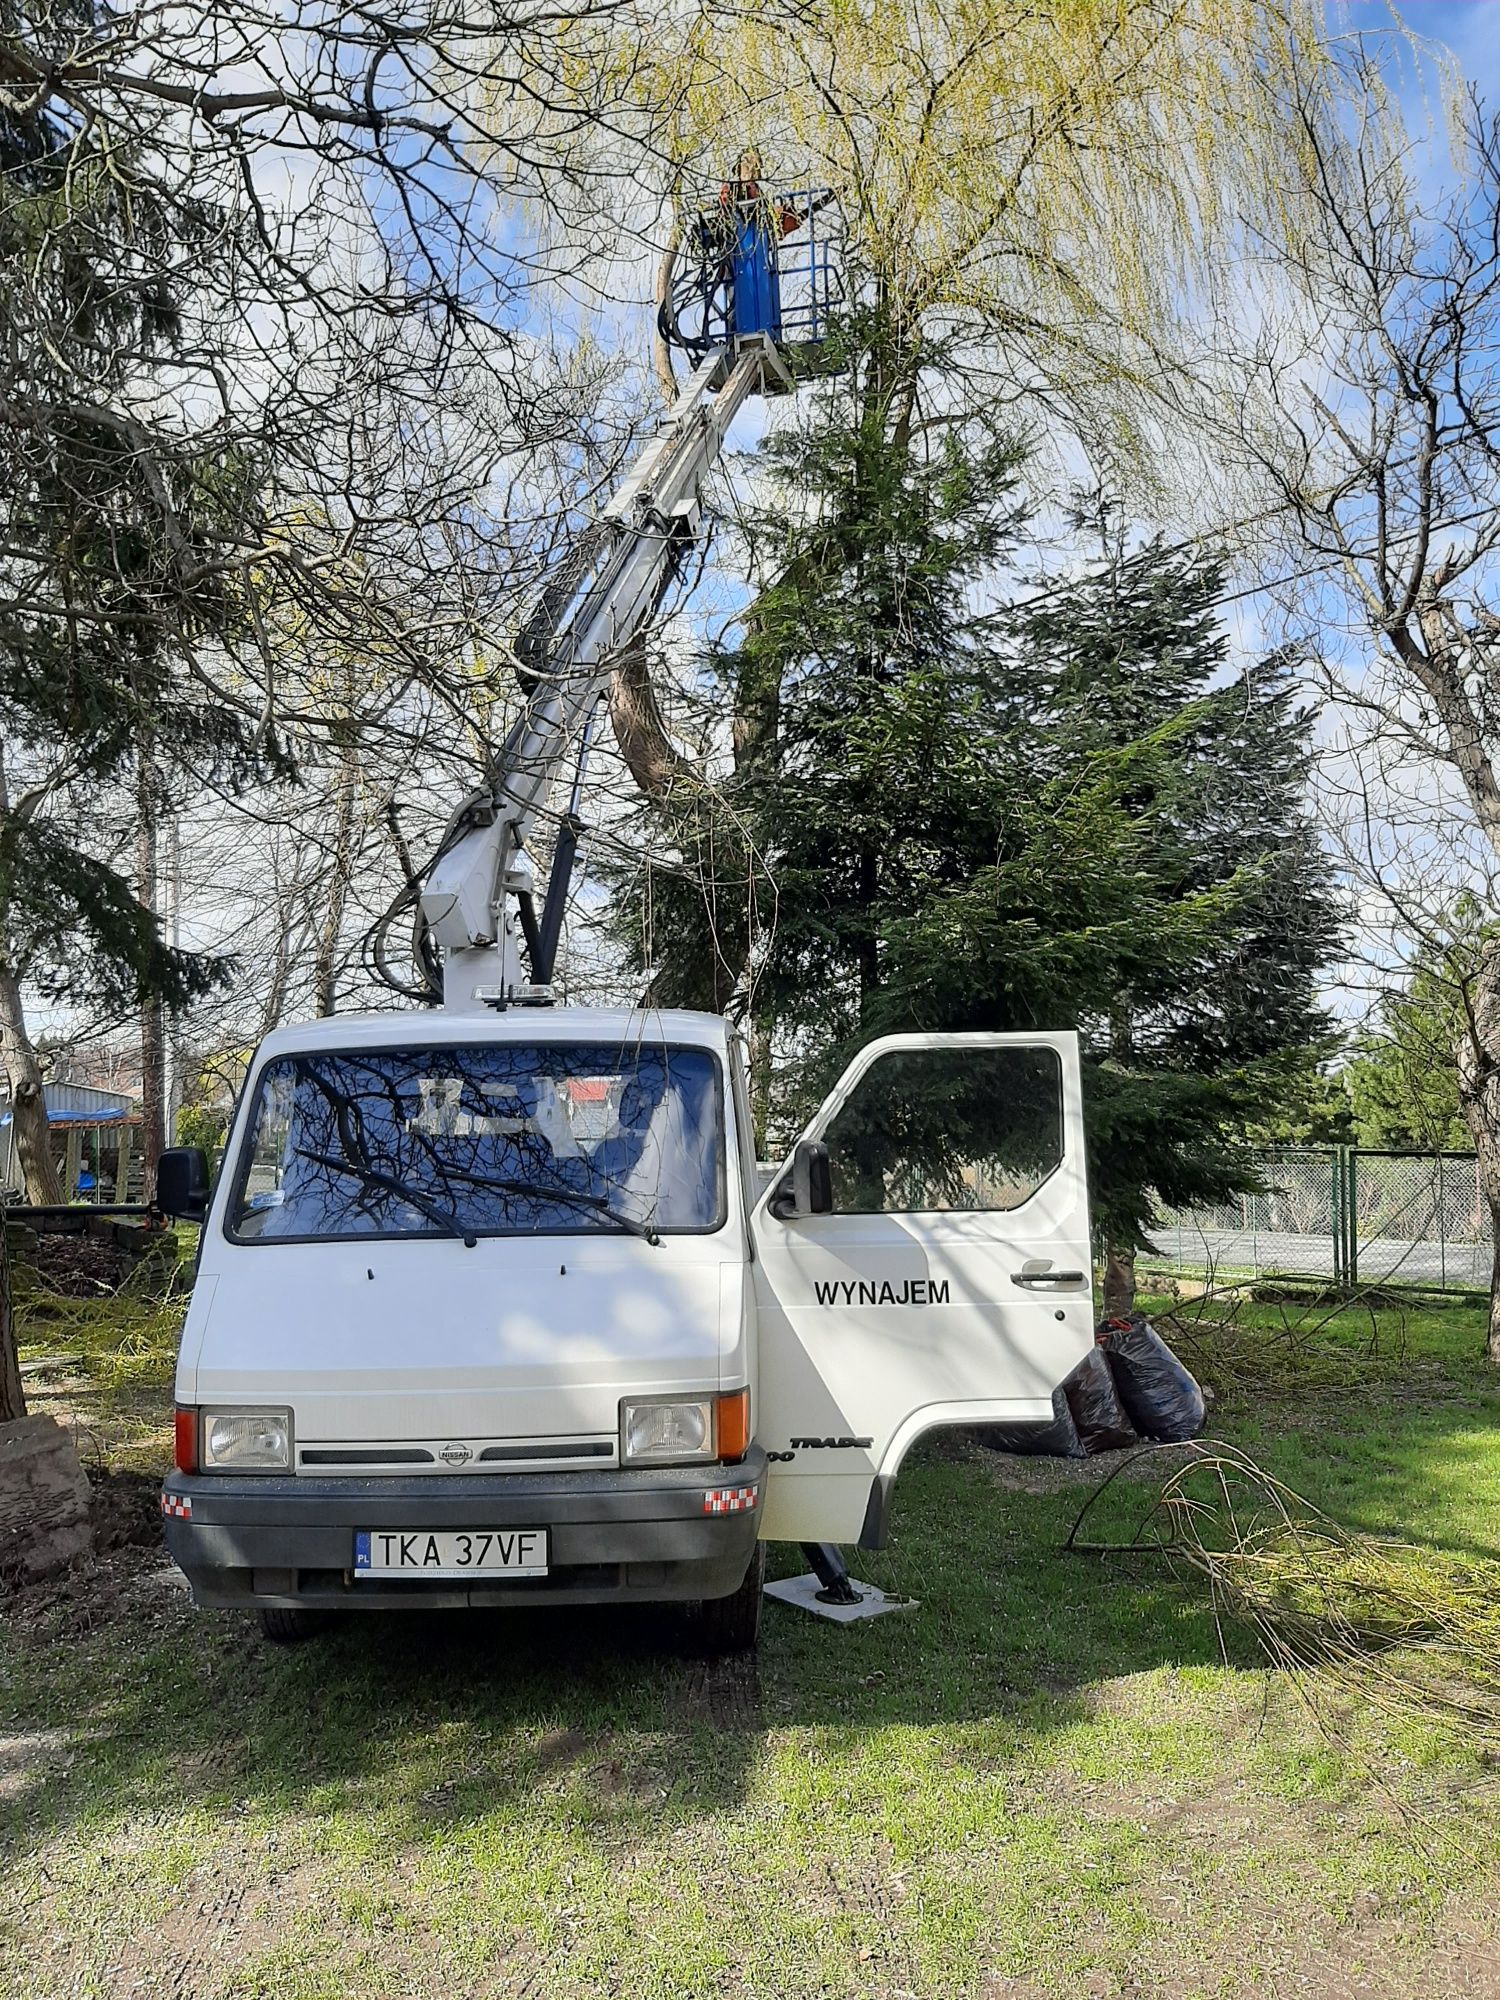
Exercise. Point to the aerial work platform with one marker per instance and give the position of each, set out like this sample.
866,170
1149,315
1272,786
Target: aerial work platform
755,264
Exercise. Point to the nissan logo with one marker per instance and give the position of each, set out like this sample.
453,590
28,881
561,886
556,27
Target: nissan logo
455,1454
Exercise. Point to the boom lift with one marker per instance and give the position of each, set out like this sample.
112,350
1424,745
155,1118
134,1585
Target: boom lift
479,892
492,1305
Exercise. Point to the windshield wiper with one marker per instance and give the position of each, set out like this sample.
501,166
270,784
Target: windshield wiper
403,1190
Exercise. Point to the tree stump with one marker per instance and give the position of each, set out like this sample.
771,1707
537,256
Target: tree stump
44,1500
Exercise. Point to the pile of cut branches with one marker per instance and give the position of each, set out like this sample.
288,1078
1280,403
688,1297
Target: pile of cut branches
1406,1629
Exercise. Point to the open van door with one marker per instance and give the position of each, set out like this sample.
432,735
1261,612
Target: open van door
936,1271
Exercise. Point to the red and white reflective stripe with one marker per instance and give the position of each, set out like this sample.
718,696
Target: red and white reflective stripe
729,1500
178,1505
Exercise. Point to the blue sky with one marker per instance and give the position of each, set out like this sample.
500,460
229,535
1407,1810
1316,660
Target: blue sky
1471,28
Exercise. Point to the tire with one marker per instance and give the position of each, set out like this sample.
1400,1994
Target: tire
728,1625
285,1626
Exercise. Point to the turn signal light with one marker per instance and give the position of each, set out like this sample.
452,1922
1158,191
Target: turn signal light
185,1441
732,1425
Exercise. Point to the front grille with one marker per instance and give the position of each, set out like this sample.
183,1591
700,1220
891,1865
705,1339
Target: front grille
483,1457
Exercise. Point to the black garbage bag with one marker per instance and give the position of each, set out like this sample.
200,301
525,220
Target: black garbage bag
1098,1413
1160,1397
1059,1439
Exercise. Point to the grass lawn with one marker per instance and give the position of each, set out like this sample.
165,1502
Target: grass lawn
1056,1776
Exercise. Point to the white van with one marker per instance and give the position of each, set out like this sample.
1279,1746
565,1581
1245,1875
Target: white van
490,1308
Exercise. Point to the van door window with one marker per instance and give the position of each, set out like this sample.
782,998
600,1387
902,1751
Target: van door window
934,1129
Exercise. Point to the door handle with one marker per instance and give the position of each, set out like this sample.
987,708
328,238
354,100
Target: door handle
1046,1277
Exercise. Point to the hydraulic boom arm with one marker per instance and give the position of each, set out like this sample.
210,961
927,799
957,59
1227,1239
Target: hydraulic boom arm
464,906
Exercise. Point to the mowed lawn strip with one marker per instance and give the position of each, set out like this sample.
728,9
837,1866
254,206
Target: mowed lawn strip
1055,1776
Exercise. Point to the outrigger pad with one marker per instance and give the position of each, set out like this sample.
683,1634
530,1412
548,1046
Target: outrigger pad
803,1592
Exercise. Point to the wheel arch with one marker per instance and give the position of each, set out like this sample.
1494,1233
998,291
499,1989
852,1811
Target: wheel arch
922,1423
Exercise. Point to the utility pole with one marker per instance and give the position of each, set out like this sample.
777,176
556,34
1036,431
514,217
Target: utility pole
172,1051
153,1018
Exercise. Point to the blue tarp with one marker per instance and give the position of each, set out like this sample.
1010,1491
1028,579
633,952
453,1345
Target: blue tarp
100,1117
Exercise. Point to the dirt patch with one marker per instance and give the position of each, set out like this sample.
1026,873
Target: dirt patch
1037,1475
25,1760
130,1583
561,1748
126,1510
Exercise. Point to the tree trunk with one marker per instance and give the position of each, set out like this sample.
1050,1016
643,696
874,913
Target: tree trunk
661,353
1119,1261
1479,1098
28,1098
172,1090
651,757
758,1042
867,894
325,956
12,1395
153,1017
274,1003
1119,1281
33,1137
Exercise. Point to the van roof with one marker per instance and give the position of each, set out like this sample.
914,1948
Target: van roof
429,1027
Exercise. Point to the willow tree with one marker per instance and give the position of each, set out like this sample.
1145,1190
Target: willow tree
1046,191
1032,199
1061,181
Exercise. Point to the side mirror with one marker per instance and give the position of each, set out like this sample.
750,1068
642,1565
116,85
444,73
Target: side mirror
807,1187
182,1183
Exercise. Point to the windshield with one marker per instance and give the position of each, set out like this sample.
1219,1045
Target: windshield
497,1140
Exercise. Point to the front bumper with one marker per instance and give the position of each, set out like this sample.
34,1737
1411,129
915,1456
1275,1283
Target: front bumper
651,1535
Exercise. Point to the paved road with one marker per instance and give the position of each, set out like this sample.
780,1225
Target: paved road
1280,1251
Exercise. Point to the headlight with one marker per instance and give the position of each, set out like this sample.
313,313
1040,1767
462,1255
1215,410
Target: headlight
247,1440
667,1433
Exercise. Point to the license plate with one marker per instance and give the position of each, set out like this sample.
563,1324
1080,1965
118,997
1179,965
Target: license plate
451,1552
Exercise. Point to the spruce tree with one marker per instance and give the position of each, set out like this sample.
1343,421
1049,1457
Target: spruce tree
943,813
1201,1033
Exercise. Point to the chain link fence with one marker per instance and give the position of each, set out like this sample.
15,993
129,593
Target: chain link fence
1344,1214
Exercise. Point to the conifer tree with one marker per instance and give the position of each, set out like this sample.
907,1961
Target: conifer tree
948,814
1194,1042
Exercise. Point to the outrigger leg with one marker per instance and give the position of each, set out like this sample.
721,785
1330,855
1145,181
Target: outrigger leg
833,1573
830,1592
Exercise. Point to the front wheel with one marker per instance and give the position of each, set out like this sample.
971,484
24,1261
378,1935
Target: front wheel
284,1625
726,1625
